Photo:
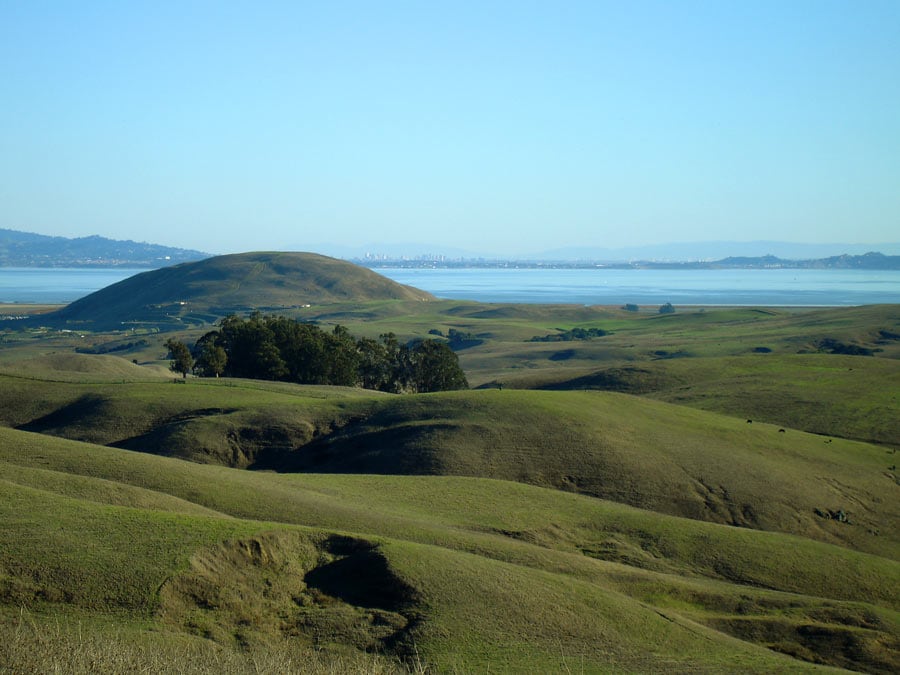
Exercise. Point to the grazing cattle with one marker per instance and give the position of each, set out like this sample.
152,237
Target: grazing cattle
749,421
781,431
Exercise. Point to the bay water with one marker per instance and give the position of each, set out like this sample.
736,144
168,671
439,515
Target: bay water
56,285
588,286
605,286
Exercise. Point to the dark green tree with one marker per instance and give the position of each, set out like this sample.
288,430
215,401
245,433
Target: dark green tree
210,357
251,349
399,364
374,369
278,348
182,361
302,348
342,362
435,367
667,309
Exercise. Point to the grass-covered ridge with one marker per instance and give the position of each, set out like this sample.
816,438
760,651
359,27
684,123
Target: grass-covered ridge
500,587
704,491
650,454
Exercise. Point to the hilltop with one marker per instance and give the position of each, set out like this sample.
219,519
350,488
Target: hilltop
206,290
25,249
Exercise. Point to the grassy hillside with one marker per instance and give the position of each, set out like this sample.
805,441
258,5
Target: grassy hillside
751,363
691,333
200,292
66,366
828,394
610,509
650,454
597,587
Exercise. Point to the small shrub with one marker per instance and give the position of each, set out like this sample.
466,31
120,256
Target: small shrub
837,347
570,335
460,340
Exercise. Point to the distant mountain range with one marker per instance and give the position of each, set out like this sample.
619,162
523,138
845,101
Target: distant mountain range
867,261
683,251
24,249
691,251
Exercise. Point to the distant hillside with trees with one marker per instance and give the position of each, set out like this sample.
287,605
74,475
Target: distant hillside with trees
278,348
25,249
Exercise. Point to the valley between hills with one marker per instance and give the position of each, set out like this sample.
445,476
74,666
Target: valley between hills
617,490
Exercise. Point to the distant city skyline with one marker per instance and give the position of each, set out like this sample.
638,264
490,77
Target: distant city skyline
501,128
28,249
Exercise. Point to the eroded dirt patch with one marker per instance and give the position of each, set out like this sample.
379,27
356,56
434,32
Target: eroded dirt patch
321,590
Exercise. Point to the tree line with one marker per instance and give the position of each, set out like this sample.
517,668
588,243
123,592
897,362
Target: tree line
570,335
278,348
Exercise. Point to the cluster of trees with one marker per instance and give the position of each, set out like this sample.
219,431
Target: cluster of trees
569,335
833,346
667,308
458,339
278,348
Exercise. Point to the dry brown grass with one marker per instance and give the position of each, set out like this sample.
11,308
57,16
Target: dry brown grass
31,643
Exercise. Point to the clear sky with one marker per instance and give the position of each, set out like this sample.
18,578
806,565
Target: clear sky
498,127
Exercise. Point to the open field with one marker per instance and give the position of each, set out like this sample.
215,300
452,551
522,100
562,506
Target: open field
600,505
23,309
221,556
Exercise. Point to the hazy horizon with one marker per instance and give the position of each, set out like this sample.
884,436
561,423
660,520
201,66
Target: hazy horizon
684,251
498,128
666,251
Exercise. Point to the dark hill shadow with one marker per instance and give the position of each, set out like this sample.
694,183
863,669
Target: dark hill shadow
402,450
627,380
360,576
67,420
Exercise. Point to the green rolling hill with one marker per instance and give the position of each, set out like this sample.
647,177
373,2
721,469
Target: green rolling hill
499,530
703,492
451,572
653,455
195,293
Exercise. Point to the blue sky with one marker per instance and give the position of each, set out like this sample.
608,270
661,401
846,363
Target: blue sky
495,127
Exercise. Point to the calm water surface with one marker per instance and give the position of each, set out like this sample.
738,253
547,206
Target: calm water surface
583,286
56,285
688,287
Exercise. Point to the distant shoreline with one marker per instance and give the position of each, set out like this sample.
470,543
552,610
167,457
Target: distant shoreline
683,286
870,261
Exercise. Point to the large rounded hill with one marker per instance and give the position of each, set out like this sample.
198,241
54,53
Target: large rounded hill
208,289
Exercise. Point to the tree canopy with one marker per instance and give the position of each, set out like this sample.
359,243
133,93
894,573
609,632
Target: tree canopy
182,361
667,308
278,348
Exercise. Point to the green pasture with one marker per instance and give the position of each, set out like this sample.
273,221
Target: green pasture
490,583
650,454
706,491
